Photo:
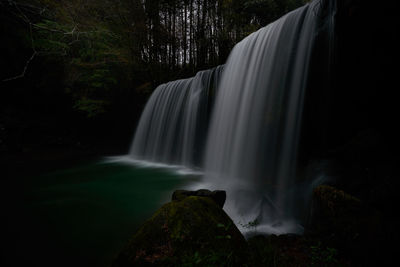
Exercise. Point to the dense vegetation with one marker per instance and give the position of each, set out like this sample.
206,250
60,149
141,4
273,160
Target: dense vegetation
88,66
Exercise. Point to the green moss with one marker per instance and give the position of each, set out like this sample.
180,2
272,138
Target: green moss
336,202
186,233
344,221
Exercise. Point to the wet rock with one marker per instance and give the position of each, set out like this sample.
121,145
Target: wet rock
190,231
218,196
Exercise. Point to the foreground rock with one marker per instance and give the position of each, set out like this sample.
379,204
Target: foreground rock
218,196
342,221
291,251
191,230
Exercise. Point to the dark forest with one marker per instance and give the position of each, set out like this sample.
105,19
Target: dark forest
76,68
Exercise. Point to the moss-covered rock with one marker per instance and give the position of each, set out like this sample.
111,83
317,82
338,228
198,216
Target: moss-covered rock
194,231
343,221
334,203
218,196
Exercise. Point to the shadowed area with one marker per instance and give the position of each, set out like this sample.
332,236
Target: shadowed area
82,216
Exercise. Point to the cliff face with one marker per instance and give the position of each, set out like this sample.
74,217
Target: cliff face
350,122
352,77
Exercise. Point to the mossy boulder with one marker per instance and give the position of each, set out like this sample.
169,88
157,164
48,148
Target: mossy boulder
193,231
332,203
344,221
218,196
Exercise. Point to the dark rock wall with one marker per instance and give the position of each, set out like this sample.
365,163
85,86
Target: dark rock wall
351,114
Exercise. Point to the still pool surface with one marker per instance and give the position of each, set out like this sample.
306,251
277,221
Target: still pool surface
82,216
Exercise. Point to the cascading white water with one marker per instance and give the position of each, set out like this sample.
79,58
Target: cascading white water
173,125
253,138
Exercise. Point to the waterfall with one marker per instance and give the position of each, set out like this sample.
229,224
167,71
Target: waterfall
174,123
253,138
249,148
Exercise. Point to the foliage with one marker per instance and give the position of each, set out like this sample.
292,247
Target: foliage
91,107
225,228
251,224
265,11
321,256
209,260
263,252
141,42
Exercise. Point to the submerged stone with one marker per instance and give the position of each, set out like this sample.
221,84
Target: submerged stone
192,231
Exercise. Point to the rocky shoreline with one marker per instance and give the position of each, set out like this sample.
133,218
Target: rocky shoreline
194,230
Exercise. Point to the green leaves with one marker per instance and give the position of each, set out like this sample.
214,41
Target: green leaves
49,37
225,227
91,107
91,52
251,224
323,256
105,47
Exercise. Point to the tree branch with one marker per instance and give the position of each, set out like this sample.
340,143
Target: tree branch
24,70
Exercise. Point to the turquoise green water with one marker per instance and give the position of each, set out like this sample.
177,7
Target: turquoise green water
83,216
